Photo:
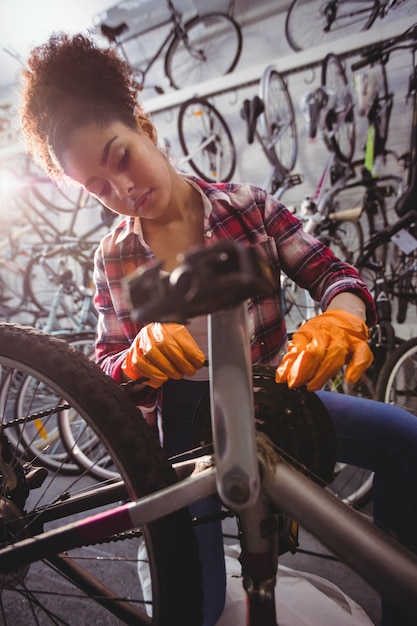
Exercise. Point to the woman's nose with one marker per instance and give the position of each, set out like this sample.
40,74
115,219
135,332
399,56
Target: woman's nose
124,188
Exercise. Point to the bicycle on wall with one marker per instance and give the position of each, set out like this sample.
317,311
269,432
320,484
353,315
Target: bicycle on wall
206,141
313,22
79,530
270,118
204,47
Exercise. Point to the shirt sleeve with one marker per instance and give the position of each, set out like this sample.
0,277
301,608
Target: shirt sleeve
311,264
115,328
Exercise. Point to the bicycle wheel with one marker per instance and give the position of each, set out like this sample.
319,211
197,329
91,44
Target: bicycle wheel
339,119
314,22
353,485
208,47
97,577
397,382
59,283
206,141
79,439
375,101
278,120
41,440
344,238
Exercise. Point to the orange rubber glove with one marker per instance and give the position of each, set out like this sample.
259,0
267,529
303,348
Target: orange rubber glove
162,351
322,346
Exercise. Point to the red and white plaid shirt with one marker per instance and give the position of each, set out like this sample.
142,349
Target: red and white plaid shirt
243,213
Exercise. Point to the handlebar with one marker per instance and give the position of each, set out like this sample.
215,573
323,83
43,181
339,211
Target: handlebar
377,52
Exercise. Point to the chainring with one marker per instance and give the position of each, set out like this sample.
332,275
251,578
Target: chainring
295,420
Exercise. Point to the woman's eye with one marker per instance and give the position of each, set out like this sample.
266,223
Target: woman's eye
124,160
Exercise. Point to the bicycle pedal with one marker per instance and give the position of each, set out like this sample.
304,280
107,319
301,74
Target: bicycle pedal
36,477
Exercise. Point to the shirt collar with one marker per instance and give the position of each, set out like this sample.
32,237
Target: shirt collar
133,225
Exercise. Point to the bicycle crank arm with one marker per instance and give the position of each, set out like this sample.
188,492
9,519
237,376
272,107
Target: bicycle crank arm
231,396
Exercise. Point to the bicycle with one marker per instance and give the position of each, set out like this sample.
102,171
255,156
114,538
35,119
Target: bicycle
312,22
254,478
206,141
397,380
404,263
276,131
201,48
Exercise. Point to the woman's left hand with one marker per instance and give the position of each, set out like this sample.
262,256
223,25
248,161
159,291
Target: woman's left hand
322,346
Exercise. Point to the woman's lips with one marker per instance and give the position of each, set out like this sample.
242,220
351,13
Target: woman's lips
141,203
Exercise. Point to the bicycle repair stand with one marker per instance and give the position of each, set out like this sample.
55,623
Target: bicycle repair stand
249,473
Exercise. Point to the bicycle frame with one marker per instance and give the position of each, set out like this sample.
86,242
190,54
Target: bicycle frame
177,29
246,470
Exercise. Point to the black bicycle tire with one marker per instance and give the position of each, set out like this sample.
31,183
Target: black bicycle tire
402,292
390,369
52,451
187,108
268,119
139,457
382,123
219,48
347,102
303,31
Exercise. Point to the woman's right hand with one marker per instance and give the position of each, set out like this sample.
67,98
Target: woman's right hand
162,351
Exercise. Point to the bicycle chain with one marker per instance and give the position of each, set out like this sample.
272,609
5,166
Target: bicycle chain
34,416
61,407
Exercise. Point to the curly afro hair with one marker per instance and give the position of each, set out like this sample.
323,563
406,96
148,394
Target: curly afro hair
70,82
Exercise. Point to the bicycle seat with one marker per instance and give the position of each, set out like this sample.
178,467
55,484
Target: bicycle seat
112,33
312,104
250,112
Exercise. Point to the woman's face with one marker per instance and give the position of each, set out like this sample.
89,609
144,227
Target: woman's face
120,166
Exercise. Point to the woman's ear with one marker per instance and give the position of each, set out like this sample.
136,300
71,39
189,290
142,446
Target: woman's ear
147,127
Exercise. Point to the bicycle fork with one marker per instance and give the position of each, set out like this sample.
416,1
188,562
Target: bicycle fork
238,473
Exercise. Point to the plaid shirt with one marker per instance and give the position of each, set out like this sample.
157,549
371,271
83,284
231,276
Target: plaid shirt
232,211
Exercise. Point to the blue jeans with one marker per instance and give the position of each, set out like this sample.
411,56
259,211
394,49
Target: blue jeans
382,438
370,434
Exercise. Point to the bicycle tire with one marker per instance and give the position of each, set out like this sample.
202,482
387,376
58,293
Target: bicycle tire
206,140
278,120
79,439
397,382
380,112
209,47
339,120
135,449
42,441
306,22
403,291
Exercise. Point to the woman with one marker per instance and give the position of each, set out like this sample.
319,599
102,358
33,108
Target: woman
82,121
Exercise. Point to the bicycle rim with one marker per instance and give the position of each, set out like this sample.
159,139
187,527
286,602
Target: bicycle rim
340,122
79,439
278,120
29,593
206,141
353,485
209,47
345,239
314,22
397,382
